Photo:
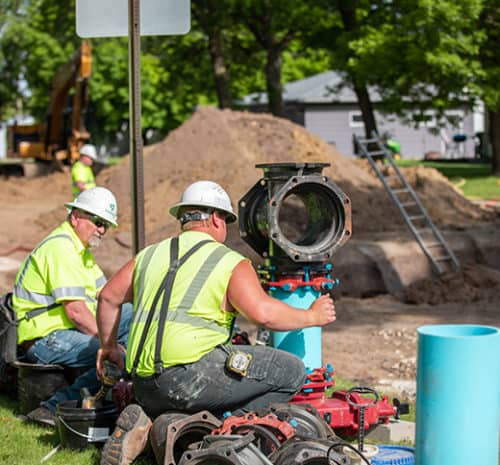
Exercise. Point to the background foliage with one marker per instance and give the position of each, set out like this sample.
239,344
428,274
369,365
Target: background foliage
432,53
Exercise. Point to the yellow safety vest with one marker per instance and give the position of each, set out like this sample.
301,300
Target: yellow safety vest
194,321
83,173
59,269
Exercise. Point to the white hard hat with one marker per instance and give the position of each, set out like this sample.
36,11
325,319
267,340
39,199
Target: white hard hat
89,150
98,201
206,194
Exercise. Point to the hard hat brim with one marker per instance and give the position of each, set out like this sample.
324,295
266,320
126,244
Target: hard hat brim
230,216
82,208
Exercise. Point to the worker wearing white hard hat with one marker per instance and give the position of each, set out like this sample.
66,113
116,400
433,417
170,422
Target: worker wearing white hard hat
82,175
187,291
55,297
206,195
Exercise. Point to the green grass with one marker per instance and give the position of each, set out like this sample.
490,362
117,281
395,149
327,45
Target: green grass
473,179
27,444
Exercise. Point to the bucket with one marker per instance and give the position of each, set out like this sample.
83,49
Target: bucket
36,383
78,428
369,451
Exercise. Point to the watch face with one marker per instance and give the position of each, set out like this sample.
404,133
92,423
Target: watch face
240,361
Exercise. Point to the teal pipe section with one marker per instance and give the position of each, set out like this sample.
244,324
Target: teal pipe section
304,343
458,401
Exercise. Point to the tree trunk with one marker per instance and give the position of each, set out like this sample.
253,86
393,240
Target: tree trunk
347,9
494,133
221,72
209,14
273,82
366,107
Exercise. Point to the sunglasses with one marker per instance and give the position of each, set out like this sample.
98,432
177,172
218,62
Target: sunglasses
99,222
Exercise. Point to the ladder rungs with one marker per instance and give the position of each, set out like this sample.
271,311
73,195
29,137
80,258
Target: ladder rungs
424,230
420,224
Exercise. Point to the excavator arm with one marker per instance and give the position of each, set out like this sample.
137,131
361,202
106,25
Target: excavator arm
59,137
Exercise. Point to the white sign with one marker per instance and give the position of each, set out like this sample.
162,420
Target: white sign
109,18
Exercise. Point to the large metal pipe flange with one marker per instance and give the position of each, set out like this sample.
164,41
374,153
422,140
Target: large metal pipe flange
307,422
174,433
270,432
158,433
310,452
305,215
226,450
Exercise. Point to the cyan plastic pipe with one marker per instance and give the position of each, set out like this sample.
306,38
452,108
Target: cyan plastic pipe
304,343
458,395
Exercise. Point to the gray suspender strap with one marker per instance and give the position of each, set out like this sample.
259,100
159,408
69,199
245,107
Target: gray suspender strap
28,315
188,299
166,289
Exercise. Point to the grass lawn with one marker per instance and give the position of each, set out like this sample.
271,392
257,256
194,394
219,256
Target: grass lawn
473,179
27,444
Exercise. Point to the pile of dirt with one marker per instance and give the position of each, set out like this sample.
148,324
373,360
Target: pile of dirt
471,283
224,146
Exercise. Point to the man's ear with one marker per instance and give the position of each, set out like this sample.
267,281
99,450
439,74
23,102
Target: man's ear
217,218
72,217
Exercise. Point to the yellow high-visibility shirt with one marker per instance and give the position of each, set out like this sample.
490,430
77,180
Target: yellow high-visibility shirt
82,173
196,321
59,269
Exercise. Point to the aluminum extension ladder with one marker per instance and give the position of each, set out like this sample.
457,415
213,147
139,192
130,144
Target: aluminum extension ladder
406,200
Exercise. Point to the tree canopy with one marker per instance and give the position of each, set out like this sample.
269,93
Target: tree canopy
433,54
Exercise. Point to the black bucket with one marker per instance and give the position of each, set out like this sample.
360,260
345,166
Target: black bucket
78,428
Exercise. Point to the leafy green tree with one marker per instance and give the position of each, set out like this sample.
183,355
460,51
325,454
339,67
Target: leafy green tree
489,23
275,25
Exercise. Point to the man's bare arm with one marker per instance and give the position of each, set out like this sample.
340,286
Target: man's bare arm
117,291
246,295
78,312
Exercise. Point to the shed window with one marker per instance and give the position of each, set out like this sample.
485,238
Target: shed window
355,119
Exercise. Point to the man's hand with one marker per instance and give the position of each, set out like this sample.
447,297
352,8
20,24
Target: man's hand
323,310
114,355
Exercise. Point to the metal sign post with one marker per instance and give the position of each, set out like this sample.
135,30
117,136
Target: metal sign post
135,133
111,18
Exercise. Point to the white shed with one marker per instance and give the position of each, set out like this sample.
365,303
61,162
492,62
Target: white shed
327,107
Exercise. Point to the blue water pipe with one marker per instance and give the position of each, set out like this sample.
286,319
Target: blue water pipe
458,395
304,343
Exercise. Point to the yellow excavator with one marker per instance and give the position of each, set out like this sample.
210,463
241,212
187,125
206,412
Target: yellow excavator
39,148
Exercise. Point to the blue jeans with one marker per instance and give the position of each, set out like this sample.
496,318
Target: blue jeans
274,376
71,348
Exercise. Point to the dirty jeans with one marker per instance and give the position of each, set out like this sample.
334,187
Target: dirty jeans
273,376
71,348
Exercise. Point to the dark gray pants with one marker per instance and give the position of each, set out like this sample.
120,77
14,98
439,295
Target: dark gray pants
273,376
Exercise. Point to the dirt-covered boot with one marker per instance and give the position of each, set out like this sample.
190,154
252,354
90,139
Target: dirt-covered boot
129,438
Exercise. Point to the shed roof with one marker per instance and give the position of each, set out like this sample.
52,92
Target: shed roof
327,87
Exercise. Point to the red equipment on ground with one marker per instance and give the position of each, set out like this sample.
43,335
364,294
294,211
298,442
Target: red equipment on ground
343,410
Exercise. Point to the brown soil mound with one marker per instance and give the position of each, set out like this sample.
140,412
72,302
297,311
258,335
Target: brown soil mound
224,146
470,284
